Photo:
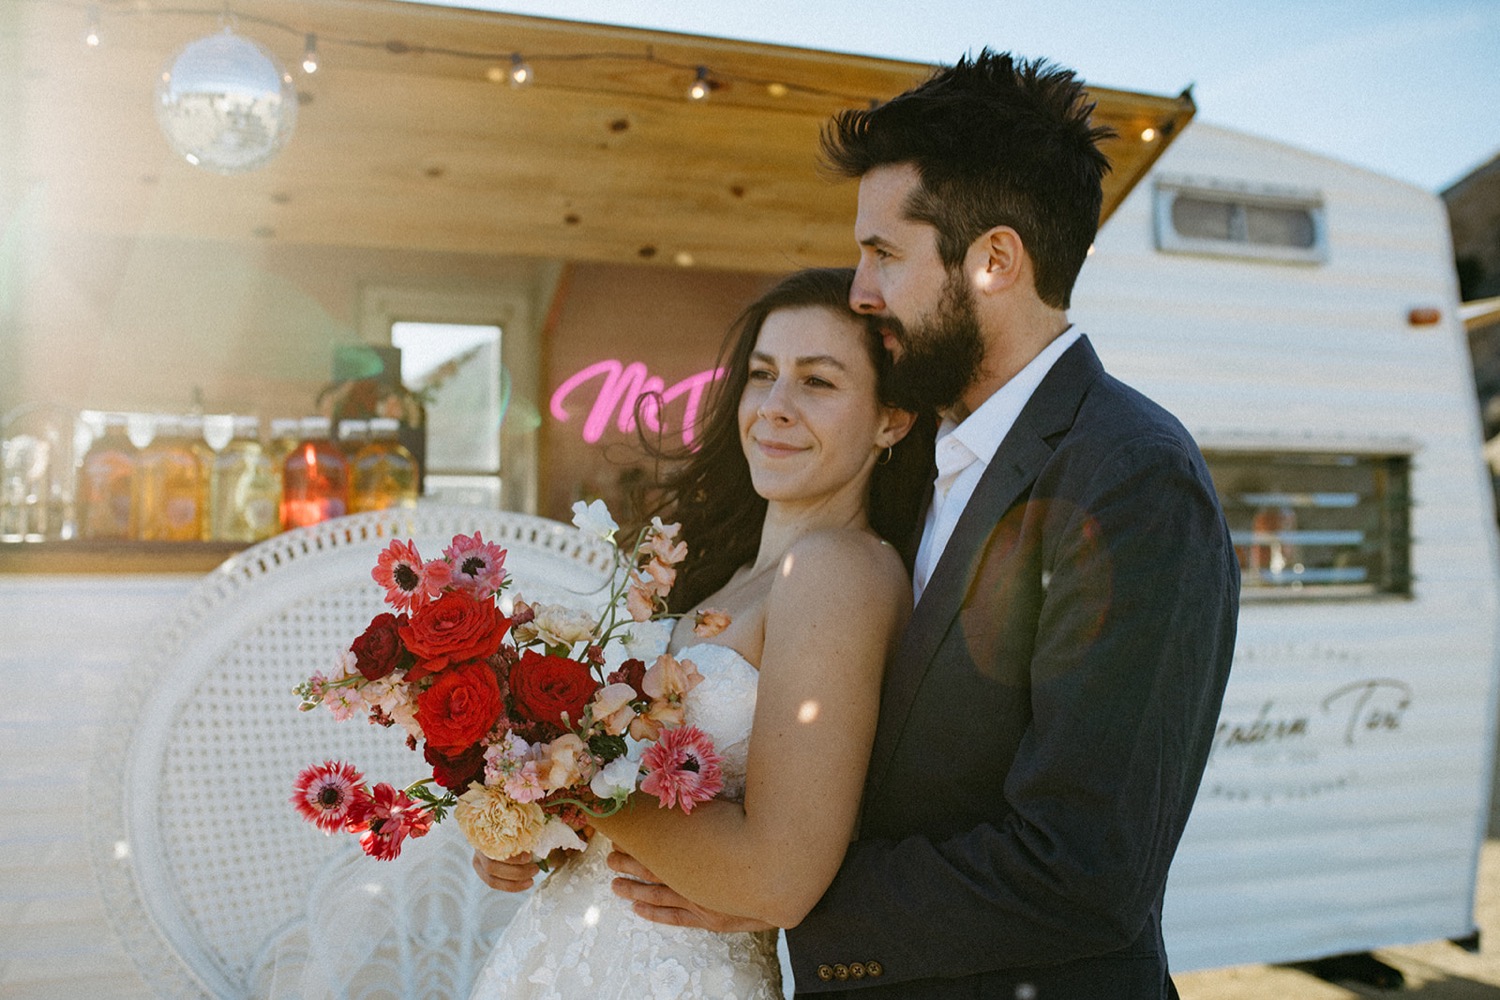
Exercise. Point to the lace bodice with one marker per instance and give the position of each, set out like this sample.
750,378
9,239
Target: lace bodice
723,706
575,938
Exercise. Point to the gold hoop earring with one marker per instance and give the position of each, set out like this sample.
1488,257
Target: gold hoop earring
883,459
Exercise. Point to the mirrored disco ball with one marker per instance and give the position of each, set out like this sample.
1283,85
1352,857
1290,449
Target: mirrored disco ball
225,103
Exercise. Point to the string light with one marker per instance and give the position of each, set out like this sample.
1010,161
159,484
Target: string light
702,86
503,66
520,70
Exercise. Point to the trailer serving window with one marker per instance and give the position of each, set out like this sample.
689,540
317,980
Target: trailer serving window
1316,525
1220,218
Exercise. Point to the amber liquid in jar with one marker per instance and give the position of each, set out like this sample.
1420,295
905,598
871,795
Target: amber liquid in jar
171,494
383,473
106,484
314,477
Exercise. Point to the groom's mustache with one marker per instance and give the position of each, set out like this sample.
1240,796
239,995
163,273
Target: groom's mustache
893,336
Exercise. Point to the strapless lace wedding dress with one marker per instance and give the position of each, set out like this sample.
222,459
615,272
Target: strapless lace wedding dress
575,939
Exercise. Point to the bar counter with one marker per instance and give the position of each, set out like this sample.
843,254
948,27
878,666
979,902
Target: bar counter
67,640
108,557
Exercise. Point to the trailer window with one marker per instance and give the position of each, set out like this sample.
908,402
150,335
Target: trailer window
1262,223
1317,525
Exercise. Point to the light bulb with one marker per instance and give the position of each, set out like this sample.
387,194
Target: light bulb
310,55
520,70
1148,134
91,38
702,86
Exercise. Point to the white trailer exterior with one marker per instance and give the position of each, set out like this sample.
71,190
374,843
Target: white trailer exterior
1347,795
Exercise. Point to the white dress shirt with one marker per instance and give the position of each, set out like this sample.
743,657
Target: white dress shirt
964,451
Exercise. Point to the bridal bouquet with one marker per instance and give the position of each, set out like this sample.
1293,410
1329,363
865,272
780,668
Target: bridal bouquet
524,730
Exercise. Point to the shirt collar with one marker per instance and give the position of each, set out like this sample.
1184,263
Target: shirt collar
982,431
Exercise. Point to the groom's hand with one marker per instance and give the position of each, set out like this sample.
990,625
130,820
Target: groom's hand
514,874
663,905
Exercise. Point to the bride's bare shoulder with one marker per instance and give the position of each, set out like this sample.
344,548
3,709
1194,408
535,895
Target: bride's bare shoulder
845,558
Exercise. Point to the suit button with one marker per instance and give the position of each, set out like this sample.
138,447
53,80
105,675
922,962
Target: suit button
857,970
841,971
874,968
825,972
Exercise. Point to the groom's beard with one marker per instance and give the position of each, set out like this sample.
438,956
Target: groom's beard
942,354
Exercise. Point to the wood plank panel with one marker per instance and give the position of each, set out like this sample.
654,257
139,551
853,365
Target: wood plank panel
403,143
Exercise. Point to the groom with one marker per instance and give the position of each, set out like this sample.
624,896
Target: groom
1047,714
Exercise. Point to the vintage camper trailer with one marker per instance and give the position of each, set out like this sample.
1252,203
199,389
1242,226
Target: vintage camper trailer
1300,316
1278,302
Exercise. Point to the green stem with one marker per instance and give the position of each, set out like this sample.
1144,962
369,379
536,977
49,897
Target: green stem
615,806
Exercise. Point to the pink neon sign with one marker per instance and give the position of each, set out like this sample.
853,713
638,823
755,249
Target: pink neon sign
621,386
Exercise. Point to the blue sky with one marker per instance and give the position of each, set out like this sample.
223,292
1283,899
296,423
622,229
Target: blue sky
1409,88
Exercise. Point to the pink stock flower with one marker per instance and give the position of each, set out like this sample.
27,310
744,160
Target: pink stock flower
389,816
326,792
683,768
525,784
478,566
409,583
343,702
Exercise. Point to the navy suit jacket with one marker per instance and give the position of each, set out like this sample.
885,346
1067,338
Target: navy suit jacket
1045,720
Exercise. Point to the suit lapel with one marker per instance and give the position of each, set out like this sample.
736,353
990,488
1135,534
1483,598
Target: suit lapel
1011,471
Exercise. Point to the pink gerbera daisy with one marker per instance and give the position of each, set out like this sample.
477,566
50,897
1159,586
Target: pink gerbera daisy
389,816
683,768
409,583
478,566
326,792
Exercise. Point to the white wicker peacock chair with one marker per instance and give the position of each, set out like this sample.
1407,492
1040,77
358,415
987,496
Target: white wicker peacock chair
215,885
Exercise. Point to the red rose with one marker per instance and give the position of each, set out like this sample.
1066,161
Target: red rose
632,672
378,651
459,708
456,627
455,773
545,687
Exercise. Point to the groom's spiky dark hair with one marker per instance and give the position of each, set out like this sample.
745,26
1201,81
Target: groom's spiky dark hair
997,141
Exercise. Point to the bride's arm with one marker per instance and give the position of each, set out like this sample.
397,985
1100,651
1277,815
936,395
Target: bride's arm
837,603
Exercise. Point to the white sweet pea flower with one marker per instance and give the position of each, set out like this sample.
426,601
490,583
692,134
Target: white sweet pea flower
594,518
554,835
617,779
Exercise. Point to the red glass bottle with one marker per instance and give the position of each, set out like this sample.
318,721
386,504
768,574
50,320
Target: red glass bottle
315,477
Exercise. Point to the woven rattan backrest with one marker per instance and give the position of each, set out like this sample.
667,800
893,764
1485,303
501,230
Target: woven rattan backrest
208,874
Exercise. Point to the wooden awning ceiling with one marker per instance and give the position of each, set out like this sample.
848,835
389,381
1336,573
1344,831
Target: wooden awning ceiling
404,141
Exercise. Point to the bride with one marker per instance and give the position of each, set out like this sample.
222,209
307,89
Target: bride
806,476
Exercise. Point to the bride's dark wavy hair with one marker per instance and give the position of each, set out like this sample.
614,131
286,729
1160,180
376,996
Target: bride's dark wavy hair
709,490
